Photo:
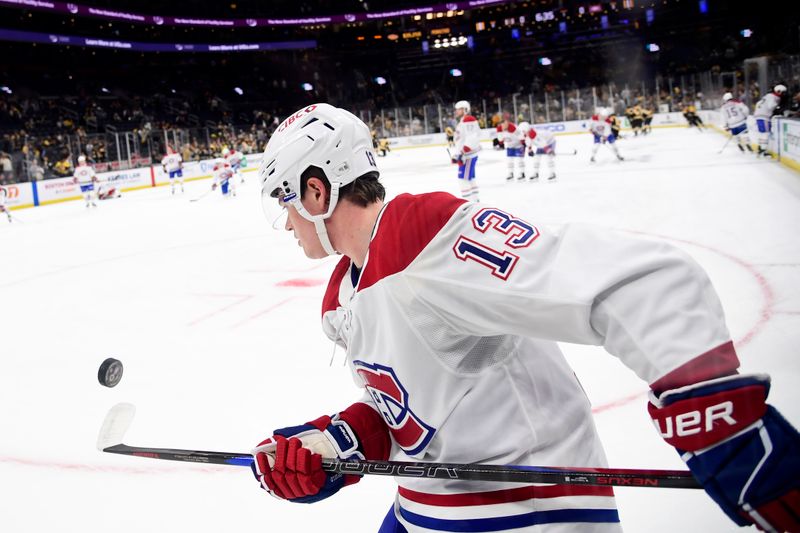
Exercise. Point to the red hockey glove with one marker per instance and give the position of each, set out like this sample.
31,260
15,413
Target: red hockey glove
743,452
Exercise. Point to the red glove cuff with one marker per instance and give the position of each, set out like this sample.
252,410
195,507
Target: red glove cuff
692,424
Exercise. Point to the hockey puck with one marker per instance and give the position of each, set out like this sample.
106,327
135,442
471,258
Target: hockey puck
110,372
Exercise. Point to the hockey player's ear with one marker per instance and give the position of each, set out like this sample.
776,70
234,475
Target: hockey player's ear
316,196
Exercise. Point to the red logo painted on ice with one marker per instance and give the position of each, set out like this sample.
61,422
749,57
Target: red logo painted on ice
391,399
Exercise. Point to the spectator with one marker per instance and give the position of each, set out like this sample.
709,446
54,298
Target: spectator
6,169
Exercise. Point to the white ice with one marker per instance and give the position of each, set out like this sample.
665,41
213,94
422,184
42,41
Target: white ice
216,319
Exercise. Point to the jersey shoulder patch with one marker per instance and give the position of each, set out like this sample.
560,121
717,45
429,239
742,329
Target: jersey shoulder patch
408,224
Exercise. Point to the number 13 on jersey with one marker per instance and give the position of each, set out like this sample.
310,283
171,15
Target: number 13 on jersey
501,262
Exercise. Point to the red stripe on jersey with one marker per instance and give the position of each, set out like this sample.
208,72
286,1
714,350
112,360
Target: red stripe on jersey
511,128
408,224
331,299
715,363
503,496
469,118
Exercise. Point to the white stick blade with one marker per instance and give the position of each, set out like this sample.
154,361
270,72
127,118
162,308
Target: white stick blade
116,424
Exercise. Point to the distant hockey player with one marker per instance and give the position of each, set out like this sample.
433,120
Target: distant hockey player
636,118
514,143
600,128
107,190
763,113
613,121
172,163
383,147
691,116
734,113
449,134
647,115
224,178
465,153
86,179
449,313
234,158
540,144
3,200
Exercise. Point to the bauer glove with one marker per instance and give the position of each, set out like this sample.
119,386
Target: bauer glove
741,450
289,464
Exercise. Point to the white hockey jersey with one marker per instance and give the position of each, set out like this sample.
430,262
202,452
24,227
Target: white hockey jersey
734,113
234,158
222,171
3,197
451,328
766,106
600,127
510,135
467,138
84,174
540,138
172,162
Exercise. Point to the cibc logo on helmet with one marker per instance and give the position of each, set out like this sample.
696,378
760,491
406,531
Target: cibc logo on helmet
300,114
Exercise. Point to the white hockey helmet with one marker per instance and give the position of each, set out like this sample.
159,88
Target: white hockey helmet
524,127
322,136
81,159
463,104
780,88
225,151
726,97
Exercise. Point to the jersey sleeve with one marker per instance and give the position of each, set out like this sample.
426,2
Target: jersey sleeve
646,302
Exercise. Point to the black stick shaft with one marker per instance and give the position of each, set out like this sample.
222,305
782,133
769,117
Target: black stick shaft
474,472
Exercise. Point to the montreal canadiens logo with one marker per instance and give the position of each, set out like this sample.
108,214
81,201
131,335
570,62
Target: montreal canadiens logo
391,399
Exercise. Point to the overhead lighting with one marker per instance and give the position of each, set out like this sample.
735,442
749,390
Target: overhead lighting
652,47
238,90
545,61
380,80
104,90
6,89
307,87
747,33
456,73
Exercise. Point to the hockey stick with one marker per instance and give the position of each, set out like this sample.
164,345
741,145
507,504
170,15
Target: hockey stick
202,195
574,152
120,417
725,145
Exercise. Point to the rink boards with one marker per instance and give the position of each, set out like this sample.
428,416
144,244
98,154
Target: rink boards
784,142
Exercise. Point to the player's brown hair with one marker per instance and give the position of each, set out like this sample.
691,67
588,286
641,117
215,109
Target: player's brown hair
363,191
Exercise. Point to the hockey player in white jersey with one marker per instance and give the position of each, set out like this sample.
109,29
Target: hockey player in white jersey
540,144
512,138
86,179
223,178
734,113
234,158
465,153
600,128
3,200
449,312
172,163
763,112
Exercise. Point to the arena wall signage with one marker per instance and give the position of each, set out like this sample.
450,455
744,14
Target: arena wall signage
159,20
134,46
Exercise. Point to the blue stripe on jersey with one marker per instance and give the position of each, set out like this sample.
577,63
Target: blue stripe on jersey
503,523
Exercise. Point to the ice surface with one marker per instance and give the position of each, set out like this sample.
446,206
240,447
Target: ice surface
216,319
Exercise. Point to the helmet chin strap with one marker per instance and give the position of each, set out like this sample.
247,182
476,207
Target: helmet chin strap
319,220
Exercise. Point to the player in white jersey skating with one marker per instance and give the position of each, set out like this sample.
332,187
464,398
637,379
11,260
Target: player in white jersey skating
234,158
763,112
449,312
734,113
172,163
465,152
3,207
86,178
223,178
540,144
600,128
512,138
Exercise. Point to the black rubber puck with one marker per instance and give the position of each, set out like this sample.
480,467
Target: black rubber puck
110,372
